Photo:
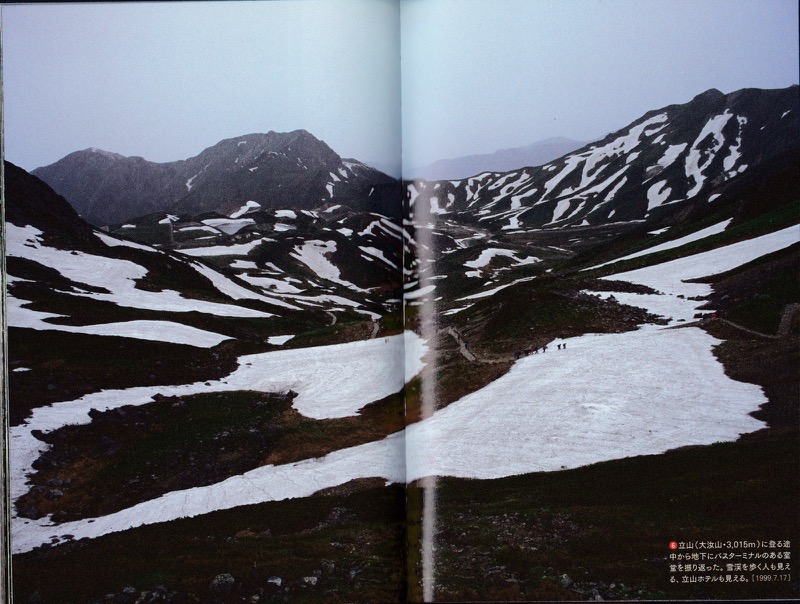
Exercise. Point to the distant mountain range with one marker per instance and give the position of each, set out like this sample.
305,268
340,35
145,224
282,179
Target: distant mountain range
535,154
663,165
274,170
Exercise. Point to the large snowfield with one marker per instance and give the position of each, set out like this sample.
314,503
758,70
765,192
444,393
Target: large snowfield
604,396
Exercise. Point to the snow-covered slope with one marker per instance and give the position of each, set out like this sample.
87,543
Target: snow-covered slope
594,405
660,163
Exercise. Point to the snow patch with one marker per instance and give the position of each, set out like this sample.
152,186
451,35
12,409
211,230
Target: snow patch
114,242
487,255
375,252
249,206
314,254
331,381
230,226
668,245
698,159
657,194
240,249
157,331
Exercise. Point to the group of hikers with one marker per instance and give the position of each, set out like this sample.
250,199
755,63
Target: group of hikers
520,353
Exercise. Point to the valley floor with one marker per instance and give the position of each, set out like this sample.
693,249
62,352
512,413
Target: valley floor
588,399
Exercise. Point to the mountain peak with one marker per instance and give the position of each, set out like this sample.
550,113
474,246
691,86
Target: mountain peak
711,93
274,169
101,152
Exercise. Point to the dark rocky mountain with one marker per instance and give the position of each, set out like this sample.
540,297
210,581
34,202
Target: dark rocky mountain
661,166
30,201
275,170
504,160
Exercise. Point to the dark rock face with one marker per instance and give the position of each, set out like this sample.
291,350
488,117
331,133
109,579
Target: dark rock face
276,170
29,201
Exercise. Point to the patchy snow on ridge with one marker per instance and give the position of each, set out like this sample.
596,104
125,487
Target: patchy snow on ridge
239,249
418,293
270,283
494,290
117,277
671,154
111,241
734,151
235,291
592,159
203,229
158,331
435,207
314,255
376,253
669,277
668,245
487,255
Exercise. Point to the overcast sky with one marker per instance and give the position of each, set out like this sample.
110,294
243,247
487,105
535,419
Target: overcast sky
165,80
481,75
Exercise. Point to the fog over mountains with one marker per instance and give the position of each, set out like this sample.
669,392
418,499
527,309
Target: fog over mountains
535,154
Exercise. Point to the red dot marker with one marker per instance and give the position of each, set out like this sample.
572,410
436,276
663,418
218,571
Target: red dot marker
673,545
